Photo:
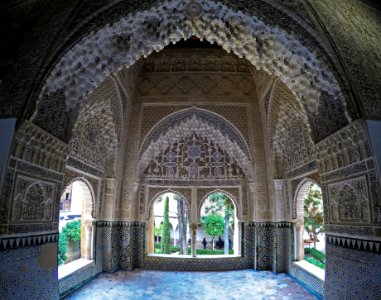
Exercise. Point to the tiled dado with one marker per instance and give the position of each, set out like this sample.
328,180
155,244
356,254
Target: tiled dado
122,245
265,246
246,261
29,272
349,267
197,263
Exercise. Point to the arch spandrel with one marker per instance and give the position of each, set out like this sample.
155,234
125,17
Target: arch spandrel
207,127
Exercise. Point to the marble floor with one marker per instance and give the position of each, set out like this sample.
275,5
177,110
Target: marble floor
144,284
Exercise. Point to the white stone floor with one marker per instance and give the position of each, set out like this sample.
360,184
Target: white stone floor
145,284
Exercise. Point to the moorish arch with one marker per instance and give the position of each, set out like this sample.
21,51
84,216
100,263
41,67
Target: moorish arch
121,44
229,194
89,204
308,131
202,123
161,191
153,195
300,193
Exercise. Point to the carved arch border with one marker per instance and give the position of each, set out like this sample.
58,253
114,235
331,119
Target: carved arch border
166,124
299,195
75,176
154,192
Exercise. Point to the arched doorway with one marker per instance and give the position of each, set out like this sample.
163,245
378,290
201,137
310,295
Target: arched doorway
76,237
219,222
309,230
168,230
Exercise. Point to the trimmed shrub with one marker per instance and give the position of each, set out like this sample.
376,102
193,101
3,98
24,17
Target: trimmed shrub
315,262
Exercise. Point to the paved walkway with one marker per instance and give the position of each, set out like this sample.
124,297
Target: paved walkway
161,285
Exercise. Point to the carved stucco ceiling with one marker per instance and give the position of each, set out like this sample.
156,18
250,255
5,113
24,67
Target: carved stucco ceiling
121,44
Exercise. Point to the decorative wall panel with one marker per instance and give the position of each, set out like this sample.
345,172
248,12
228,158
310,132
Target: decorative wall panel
349,201
33,200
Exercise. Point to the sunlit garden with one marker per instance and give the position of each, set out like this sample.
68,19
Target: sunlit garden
215,234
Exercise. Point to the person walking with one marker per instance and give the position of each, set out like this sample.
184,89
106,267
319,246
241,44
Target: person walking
204,243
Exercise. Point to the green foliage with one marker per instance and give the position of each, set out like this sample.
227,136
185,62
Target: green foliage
315,262
172,249
210,252
313,212
317,254
315,257
72,230
220,202
176,249
214,225
165,234
158,230
62,248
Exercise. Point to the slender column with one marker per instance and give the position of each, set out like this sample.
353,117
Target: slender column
299,244
193,227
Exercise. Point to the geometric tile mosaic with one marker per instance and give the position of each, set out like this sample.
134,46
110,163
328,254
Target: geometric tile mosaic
163,285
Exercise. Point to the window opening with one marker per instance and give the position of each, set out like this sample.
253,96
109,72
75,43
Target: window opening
218,231
169,221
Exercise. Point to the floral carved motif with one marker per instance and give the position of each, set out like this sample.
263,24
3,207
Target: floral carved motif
349,201
33,200
193,157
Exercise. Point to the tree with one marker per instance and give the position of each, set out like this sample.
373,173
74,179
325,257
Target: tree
313,212
62,248
214,226
182,221
72,230
158,231
220,202
165,234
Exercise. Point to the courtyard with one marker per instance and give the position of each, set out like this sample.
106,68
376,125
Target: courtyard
145,284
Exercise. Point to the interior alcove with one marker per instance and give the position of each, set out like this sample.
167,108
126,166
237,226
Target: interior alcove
272,96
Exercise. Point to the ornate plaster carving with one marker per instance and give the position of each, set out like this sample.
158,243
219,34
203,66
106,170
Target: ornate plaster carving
38,147
205,125
33,200
118,45
193,157
349,201
345,147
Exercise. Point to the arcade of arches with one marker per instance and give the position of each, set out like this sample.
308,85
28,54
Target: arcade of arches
137,98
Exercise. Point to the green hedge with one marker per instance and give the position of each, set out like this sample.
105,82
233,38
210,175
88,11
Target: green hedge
315,262
315,257
210,252
315,253
175,249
